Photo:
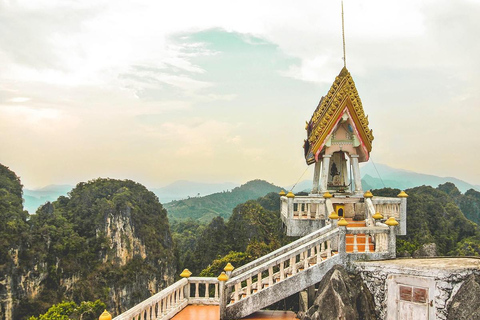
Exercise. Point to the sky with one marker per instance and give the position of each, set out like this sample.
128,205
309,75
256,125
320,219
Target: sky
215,91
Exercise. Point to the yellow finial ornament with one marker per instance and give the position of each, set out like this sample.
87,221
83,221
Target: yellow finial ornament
342,222
333,215
105,316
229,267
402,194
391,222
282,193
185,273
222,277
377,216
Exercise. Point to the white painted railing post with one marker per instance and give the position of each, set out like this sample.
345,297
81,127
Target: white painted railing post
342,245
392,238
223,299
403,213
290,197
224,292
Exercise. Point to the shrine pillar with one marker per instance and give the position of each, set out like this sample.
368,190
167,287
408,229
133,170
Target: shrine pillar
356,173
324,176
316,177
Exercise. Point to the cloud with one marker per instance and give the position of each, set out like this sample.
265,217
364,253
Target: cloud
19,99
226,83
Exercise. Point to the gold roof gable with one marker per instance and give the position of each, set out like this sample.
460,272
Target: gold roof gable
342,95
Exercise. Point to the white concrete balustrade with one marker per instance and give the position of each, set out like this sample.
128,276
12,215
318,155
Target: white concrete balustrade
388,207
168,302
280,267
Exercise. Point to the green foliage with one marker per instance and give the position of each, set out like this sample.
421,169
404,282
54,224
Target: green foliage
72,240
434,216
216,267
251,232
71,311
211,244
468,247
204,209
13,218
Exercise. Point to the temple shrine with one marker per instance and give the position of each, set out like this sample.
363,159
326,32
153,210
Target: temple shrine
338,134
338,223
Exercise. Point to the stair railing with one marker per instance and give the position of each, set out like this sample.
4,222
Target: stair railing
297,259
167,303
282,250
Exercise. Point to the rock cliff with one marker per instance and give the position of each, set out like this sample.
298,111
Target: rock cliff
109,240
341,296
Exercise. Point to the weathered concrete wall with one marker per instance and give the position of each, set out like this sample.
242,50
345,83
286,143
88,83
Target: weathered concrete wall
297,227
446,274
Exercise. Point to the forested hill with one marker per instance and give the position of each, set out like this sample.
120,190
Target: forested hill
109,240
204,209
438,215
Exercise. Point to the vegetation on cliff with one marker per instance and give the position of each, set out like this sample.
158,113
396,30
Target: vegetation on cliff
69,310
433,216
13,226
109,240
254,229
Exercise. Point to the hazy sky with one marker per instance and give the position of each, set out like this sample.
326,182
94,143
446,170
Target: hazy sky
158,91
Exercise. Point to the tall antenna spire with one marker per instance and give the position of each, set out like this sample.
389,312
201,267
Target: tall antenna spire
343,36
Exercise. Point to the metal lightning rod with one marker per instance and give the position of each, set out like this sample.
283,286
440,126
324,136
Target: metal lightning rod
343,36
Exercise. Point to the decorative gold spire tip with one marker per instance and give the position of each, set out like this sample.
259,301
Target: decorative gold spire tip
391,222
222,277
368,194
402,194
282,193
290,194
229,267
327,195
377,216
105,316
333,216
342,222
185,273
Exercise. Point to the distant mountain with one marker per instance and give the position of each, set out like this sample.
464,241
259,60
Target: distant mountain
204,209
305,185
38,197
183,189
404,179
394,178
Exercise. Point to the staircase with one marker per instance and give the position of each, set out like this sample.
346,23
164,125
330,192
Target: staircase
273,277
285,272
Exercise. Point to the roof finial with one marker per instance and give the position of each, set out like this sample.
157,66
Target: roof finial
343,36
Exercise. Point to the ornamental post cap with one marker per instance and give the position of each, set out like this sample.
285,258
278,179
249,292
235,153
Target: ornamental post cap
327,195
105,316
402,194
377,216
290,194
185,273
391,222
229,267
282,193
333,215
342,222
222,277
368,194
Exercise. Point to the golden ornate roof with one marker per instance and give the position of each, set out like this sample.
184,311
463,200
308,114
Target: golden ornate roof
342,95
